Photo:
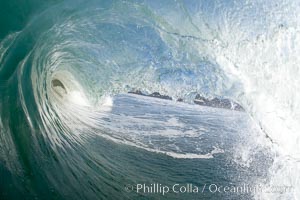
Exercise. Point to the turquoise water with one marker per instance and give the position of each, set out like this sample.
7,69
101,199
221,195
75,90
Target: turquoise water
69,130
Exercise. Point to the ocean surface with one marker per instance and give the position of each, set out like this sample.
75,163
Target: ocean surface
70,130
143,140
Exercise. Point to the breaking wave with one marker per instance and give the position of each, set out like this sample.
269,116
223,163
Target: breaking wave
62,61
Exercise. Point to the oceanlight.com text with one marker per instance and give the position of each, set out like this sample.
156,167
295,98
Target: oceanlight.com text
157,188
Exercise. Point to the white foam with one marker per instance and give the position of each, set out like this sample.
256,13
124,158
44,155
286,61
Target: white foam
77,98
168,153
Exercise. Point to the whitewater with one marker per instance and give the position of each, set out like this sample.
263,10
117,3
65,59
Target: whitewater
68,128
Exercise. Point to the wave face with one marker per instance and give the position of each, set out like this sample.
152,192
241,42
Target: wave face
60,61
